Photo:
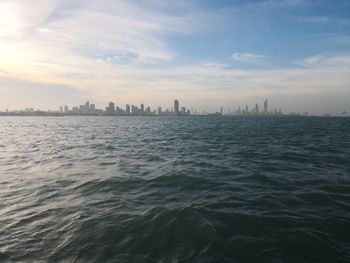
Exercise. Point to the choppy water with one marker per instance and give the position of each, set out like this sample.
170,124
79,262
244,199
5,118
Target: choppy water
196,189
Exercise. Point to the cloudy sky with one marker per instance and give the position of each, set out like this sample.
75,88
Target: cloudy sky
205,53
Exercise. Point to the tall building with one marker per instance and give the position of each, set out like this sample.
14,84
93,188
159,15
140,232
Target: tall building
142,107
183,111
127,109
111,108
159,110
92,108
81,109
266,106
256,108
133,109
66,109
87,107
176,107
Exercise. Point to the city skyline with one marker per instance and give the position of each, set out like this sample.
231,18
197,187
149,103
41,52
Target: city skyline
177,109
209,53
233,109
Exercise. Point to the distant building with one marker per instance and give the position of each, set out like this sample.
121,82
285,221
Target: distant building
183,111
266,107
159,110
110,109
66,109
81,109
176,107
134,109
92,109
127,109
239,111
142,108
119,111
87,107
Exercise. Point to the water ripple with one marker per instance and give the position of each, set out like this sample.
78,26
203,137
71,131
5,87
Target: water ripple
211,189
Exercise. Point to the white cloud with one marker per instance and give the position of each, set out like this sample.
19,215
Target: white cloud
340,61
206,85
89,28
101,50
248,58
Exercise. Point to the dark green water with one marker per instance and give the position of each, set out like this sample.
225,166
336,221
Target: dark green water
196,189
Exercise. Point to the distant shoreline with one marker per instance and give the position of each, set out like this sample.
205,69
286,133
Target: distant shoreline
4,114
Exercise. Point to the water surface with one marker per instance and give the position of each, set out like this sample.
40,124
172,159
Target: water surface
166,189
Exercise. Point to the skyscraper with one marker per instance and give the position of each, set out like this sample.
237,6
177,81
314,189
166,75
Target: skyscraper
87,107
142,107
81,109
92,108
111,108
266,107
133,109
239,111
176,107
127,109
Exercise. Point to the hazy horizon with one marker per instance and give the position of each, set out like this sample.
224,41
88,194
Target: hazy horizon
204,53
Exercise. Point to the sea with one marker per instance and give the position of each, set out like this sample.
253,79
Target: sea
174,189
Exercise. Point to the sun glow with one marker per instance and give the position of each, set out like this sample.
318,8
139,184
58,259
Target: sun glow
10,19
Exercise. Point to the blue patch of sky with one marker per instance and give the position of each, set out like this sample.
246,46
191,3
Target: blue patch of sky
283,34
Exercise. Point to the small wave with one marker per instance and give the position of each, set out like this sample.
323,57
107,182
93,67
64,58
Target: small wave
107,163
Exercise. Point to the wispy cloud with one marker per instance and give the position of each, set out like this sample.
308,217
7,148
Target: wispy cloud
320,75
248,58
280,3
313,19
326,61
116,28
132,49
321,20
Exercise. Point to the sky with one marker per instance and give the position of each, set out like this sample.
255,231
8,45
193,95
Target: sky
205,53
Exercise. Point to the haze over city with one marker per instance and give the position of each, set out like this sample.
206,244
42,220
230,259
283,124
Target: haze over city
206,53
